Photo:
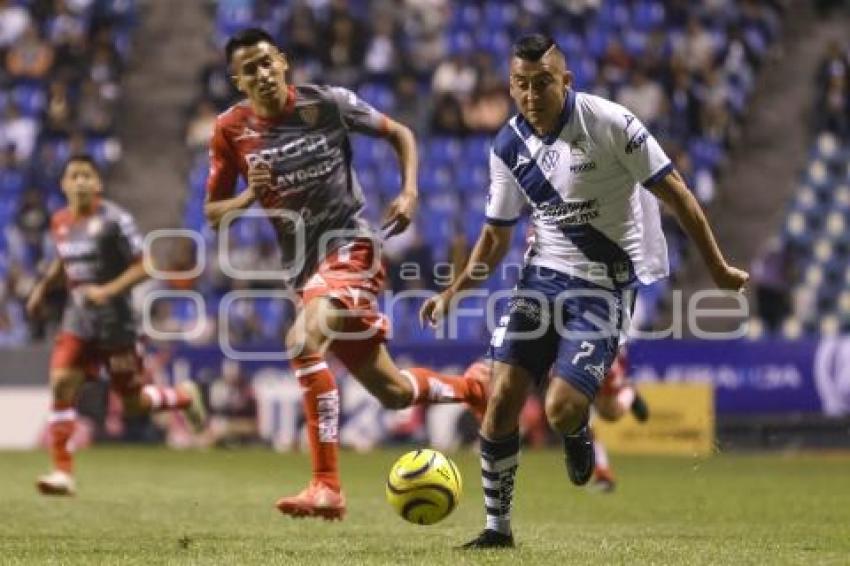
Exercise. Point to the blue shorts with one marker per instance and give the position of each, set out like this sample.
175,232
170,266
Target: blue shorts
553,319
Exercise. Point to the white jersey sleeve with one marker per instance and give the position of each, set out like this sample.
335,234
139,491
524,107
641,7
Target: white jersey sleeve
505,200
637,149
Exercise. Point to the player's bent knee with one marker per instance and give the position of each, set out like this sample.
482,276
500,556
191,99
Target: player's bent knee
565,412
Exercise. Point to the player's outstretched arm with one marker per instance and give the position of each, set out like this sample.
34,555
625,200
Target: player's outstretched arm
673,192
401,211
492,246
55,275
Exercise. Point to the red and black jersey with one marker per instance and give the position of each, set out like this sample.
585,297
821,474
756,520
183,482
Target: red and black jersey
309,152
95,249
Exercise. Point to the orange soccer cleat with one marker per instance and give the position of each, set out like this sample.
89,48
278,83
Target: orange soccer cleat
316,500
478,375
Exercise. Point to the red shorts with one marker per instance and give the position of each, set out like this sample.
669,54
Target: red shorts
124,365
353,275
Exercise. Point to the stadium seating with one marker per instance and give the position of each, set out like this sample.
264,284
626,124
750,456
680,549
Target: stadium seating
815,232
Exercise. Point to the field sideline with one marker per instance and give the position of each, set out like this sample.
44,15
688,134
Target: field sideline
154,506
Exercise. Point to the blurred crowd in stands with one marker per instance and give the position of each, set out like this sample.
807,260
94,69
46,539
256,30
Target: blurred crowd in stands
802,277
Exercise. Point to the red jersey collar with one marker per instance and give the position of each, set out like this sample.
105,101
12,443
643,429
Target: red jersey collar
288,107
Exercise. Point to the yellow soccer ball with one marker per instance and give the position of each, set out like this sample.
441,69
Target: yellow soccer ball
424,486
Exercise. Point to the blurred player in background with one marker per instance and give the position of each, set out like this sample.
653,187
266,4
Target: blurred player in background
99,258
581,163
291,144
616,397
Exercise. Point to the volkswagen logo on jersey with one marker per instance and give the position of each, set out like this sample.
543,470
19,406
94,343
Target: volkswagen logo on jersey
550,160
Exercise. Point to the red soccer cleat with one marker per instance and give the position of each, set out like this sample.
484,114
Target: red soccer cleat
479,376
316,500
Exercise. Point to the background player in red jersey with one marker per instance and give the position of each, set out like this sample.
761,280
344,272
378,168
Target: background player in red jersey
617,396
99,257
292,145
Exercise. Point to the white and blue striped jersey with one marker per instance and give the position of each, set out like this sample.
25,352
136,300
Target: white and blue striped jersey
591,216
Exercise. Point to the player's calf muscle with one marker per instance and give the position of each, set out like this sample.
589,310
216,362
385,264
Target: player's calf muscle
502,417
391,395
608,409
65,383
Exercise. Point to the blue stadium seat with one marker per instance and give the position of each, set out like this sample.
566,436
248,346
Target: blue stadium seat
437,229
584,72
705,153
596,41
433,179
443,150
647,15
473,220
476,149
30,98
444,202
472,180
634,42
11,183
613,15
460,42
468,14
572,44
368,179
389,179
378,95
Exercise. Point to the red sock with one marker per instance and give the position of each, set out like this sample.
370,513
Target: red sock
165,398
603,469
62,420
321,410
430,387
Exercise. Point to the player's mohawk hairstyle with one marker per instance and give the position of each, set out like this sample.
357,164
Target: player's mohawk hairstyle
533,46
246,38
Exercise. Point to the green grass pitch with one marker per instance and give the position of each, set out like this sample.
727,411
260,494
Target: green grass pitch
154,506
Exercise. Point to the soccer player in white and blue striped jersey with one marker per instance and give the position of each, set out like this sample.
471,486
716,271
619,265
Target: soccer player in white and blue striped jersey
587,169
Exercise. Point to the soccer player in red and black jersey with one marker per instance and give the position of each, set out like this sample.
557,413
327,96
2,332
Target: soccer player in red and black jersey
99,257
291,144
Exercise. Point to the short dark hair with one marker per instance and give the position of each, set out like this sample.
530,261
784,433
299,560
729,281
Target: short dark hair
533,46
81,158
246,38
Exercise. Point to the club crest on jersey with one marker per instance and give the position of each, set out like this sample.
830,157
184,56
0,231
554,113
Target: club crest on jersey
550,160
596,371
309,114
